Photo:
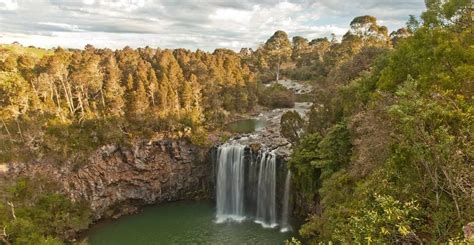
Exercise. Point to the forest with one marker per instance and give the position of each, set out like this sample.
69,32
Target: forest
387,155
384,156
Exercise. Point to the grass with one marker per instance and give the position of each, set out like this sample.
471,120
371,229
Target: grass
19,49
304,97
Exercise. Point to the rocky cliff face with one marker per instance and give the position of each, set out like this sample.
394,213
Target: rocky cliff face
118,179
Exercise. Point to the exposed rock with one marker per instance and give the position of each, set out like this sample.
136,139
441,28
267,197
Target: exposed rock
117,179
255,147
297,87
269,136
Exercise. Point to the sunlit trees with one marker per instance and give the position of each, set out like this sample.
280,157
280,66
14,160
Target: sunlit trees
277,50
115,95
366,29
113,92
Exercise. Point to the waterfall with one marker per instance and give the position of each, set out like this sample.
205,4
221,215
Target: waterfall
266,198
230,183
246,187
285,225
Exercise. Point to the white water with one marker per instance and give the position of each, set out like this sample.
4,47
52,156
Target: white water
266,197
247,187
285,225
230,183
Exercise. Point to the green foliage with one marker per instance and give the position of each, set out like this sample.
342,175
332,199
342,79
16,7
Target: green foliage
383,220
421,90
304,154
40,215
434,136
444,62
199,137
334,150
419,189
277,96
293,241
291,125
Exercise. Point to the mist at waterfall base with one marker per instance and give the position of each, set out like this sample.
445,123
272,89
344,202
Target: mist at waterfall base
246,188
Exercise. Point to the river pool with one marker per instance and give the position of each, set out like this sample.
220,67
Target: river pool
181,223
246,125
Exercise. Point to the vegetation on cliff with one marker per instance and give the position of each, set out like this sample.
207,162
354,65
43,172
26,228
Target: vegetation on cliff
36,213
387,155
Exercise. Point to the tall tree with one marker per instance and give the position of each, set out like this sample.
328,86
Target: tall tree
277,50
113,91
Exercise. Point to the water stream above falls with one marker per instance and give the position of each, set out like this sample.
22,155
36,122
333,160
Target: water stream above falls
246,125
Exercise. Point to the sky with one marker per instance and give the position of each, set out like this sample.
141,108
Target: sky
197,24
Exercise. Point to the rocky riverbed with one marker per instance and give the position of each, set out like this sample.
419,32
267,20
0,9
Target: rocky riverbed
269,136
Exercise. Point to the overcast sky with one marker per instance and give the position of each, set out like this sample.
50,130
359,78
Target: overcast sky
188,24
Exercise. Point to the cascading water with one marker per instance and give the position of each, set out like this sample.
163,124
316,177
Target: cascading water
266,198
285,225
230,182
247,187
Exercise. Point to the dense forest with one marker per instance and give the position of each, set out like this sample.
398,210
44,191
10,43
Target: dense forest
384,156
68,100
387,155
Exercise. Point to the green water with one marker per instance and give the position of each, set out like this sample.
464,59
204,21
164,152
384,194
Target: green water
246,125
181,223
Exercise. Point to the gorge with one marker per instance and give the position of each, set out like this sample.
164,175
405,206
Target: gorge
356,138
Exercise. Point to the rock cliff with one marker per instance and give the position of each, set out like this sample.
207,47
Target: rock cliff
116,180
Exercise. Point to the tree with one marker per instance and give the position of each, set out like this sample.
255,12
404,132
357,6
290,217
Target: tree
412,24
113,91
366,29
456,13
300,47
277,50
385,220
291,126
398,35
138,100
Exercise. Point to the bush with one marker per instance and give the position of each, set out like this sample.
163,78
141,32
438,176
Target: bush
277,96
43,215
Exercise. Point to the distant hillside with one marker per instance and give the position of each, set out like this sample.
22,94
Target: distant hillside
18,49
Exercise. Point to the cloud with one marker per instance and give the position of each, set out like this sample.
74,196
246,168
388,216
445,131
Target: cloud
88,2
62,26
126,5
8,5
186,23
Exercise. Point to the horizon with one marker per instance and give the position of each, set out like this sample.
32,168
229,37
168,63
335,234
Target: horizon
207,26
